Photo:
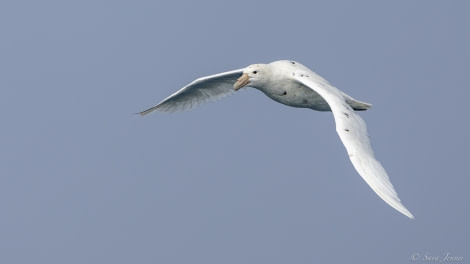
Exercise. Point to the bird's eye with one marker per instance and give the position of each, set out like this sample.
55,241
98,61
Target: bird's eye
255,72
293,62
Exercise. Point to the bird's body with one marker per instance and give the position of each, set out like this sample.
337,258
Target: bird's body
286,90
290,83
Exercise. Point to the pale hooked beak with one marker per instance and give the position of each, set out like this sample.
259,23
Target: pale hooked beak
241,82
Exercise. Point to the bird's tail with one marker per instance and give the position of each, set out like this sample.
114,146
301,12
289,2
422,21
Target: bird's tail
355,104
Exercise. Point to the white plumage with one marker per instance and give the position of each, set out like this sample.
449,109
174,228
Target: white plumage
292,84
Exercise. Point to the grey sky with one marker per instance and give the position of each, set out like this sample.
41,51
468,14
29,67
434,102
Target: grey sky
244,179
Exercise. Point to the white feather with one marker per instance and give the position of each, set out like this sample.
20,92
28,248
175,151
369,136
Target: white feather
352,130
204,89
295,85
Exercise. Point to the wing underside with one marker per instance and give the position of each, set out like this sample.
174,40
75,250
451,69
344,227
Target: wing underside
202,90
352,130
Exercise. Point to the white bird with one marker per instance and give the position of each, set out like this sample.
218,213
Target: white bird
291,83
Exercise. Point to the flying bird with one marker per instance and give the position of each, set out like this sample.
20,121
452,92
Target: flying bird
291,83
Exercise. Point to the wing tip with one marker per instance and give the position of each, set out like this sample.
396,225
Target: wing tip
396,204
405,211
148,111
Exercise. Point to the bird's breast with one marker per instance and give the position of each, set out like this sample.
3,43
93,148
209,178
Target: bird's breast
296,95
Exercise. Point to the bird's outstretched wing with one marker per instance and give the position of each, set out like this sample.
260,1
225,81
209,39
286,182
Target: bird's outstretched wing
208,88
353,133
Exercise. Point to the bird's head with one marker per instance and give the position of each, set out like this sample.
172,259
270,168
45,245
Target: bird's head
252,75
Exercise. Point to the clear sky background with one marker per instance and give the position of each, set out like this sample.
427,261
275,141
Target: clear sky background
242,180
